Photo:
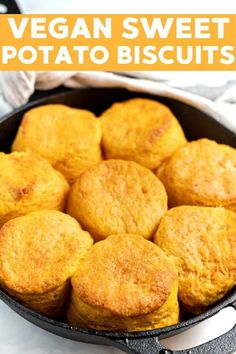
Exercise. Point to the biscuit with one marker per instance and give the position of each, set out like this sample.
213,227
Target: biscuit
116,197
201,173
124,283
39,252
68,138
202,243
141,130
27,183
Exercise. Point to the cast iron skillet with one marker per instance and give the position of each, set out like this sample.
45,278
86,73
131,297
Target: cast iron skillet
196,124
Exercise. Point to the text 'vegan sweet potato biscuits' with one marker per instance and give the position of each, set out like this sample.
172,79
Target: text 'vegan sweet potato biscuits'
68,138
202,241
141,130
116,197
201,173
39,252
27,183
124,283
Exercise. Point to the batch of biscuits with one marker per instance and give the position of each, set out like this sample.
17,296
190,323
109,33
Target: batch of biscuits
116,222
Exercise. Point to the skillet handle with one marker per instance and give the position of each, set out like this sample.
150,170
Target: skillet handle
225,344
9,7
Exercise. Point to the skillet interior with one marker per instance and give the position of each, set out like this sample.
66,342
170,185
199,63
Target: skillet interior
195,123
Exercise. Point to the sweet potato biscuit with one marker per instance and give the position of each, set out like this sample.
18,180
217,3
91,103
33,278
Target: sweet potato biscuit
141,130
124,283
201,173
27,183
39,252
202,241
68,138
116,197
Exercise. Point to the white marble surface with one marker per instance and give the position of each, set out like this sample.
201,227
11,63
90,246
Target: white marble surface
18,336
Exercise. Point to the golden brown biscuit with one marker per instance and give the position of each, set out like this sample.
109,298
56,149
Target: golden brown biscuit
202,241
141,130
124,283
28,183
68,138
116,197
201,173
39,252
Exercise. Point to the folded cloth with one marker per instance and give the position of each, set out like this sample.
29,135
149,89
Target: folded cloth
17,87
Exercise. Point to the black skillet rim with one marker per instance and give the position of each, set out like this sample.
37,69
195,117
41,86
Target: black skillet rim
161,332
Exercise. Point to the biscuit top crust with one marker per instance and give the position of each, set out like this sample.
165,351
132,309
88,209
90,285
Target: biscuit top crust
41,250
25,177
203,172
55,131
137,124
202,242
126,275
117,195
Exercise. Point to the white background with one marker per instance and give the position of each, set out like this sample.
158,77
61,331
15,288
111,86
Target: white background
18,336
129,6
